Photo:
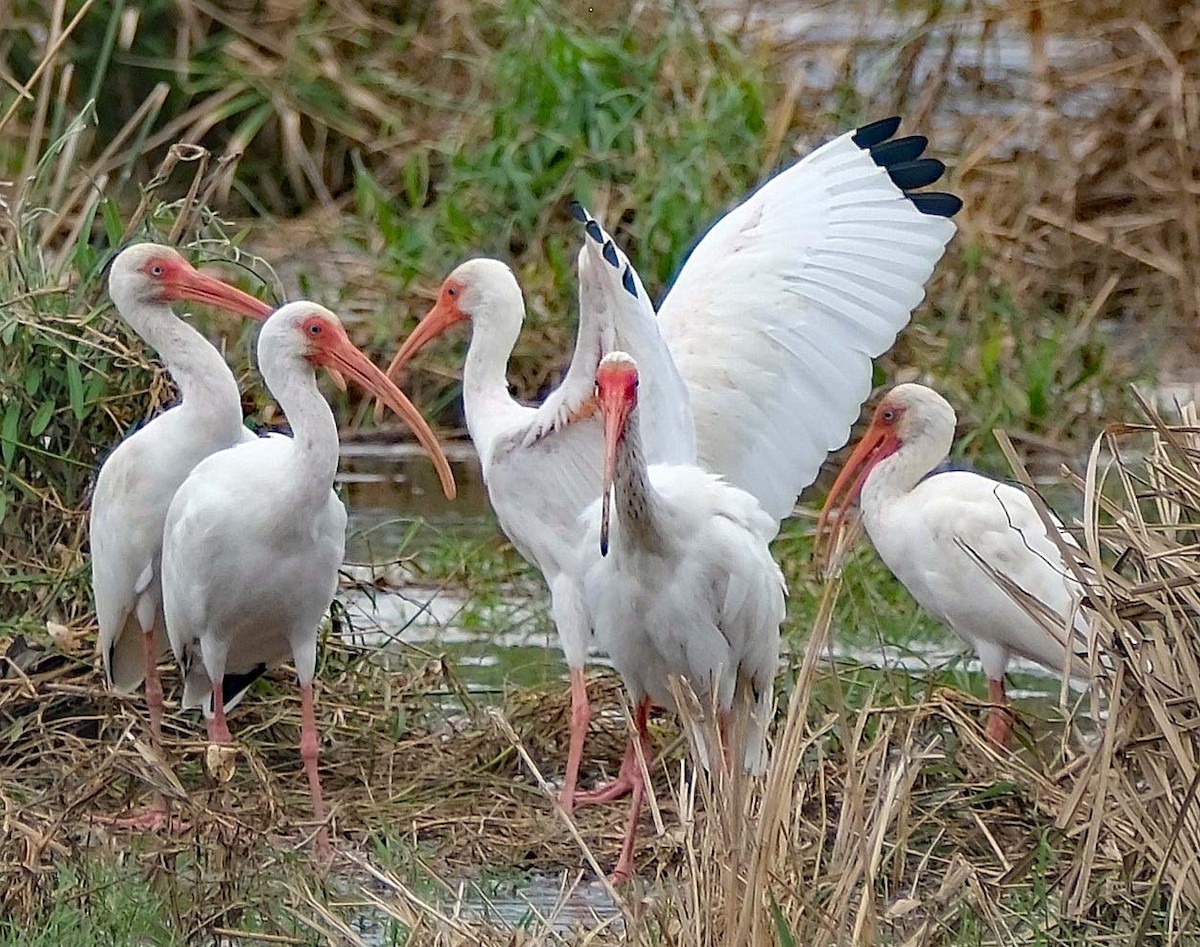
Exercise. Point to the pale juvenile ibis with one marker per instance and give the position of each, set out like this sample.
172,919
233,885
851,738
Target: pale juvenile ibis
684,586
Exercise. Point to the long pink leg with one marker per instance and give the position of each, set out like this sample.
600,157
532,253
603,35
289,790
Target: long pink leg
154,690
218,729
1000,719
581,713
624,869
309,751
156,816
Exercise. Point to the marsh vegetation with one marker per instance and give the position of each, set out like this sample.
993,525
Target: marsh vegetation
353,152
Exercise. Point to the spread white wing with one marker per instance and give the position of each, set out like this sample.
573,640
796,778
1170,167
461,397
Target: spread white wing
775,317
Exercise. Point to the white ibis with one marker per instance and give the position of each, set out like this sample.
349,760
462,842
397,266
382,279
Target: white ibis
685,585
760,355
254,536
138,480
934,529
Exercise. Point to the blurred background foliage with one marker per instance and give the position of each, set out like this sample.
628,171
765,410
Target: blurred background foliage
363,147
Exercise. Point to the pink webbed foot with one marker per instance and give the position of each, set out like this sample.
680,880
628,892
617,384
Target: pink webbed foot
627,777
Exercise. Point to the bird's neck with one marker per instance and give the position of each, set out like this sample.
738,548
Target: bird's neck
898,474
639,507
314,457
485,373
208,391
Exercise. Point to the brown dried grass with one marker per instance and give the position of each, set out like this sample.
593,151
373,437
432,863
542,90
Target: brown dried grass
1136,796
865,827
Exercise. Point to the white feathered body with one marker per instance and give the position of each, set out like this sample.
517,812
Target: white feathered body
924,534
133,491
250,560
703,601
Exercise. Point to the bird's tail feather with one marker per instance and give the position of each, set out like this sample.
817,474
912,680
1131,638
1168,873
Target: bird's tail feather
197,692
756,706
125,662
749,721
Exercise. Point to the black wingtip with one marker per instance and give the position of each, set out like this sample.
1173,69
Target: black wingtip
877,132
610,253
593,231
577,211
899,150
628,283
910,175
234,684
937,204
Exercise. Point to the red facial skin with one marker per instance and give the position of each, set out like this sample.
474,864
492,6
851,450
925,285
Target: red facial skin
880,441
616,392
181,281
442,316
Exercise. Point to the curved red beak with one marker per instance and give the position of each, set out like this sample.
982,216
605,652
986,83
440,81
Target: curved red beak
192,285
617,396
340,355
879,442
440,318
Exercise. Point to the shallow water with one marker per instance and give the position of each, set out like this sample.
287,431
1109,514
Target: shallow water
984,63
529,901
503,634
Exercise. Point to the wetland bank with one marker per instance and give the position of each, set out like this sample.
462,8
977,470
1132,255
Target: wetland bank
382,143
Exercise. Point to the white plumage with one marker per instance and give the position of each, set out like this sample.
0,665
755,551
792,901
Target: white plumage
685,586
936,531
777,314
137,481
254,536
757,364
